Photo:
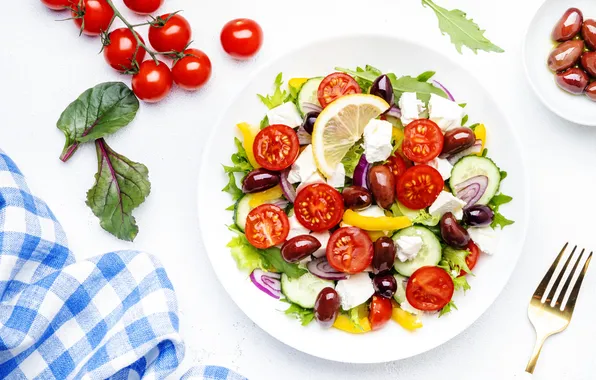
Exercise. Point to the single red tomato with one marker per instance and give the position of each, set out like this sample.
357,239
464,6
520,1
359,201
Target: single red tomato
92,16
380,312
241,38
472,258
397,165
143,7
349,250
57,5
153,81
276,147
319,207
429,289
423,140
335,86
266,226
419,187
170,33
120,51
193,70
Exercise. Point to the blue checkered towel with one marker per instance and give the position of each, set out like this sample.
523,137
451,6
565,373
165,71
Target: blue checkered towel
113,316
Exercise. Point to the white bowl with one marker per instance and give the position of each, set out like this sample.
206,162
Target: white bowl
392,342
537,47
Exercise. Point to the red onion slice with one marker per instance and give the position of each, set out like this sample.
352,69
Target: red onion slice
320,267
438,84
361,172
393,111
311,107
471,190
304,138
286,186
267,282
476,148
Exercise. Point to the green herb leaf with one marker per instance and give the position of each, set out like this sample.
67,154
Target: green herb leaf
495,203
274,258
447,309
96,113
503,174
351,159
121,185
501,221
304,315
464,120
264,123
463,31
278,97
473,126
425,76
498,200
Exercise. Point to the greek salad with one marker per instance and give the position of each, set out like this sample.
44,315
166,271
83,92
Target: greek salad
363,197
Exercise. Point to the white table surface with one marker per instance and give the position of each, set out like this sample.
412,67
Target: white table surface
45,65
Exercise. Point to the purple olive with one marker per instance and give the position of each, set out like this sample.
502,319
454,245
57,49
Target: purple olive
356,197
478,215
259,180
384,255
568,25
589,62
591,91
327,307
565,55
453,234
573,80
385,285
299,247
309,121
458,139
383,88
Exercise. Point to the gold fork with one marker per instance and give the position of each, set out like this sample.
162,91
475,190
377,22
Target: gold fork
550,319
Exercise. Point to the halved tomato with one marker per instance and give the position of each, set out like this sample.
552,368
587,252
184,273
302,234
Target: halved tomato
472,258
276,147
335,86
419,186
266,226
319,207
429,289
380,311
423,140
397,165
349,250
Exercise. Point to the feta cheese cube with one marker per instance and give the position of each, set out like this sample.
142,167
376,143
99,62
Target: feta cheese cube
338,178
303,167
296,229
411,107
286,114
372,211
443,167
377,140
445,113
486,238
445,203
315,178
323,238
355,291
408,247
405,306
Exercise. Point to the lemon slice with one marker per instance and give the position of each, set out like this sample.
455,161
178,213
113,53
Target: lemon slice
340,125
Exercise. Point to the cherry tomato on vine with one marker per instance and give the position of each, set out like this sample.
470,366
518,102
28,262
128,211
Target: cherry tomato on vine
153,81
120,51
92,16
57,5
143,7
170,33
193,70
241,38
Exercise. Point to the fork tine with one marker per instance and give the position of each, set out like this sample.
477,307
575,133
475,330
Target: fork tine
575,291
557,282
546,279
561,297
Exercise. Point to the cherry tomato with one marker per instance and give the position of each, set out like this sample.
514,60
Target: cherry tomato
276,147
193,70
143,7
419,186
429,289
349,250
57,5
170,33
380,311
153,81
423,140
319,207
335,86
266,226
241,38
121,49
397,165
472,258
93,16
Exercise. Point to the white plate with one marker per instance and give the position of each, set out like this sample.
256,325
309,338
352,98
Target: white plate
392,342
537,47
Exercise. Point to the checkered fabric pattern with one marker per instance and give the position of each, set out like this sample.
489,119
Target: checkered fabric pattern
113,316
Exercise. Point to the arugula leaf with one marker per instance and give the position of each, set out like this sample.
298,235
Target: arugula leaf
351,159
121,185
96,113
278,97
473,126
499,199
496,202
447,309
454,261
463,31
239,159
232,189
501,221
304,315
425,76
274,258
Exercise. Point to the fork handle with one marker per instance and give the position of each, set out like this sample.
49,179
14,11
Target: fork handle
535,353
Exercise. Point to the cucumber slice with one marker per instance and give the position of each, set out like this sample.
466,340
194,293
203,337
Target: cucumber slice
472,166
304,290
400,293
429,254
308,93
241,211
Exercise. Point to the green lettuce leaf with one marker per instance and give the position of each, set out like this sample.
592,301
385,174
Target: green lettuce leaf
447,309
454,261
354,315
239,159
278,97
461,283
350,160
305,316
232,189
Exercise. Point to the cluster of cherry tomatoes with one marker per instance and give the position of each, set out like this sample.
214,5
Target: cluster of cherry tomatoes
169,35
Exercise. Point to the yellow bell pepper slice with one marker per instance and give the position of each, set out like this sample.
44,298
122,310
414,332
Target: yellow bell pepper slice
379,223
398,134
480,132
249,133
406,320
263,197
344,323
297,82
375,235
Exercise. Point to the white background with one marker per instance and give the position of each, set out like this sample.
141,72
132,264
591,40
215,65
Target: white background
45,65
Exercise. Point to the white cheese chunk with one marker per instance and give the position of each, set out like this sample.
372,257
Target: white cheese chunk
443,167
338,178
405,306
303,167
296,229
408,247
355,291
286,114
323,238
377,140
445,203
314,178
372,211
445,113
486,238
411,107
